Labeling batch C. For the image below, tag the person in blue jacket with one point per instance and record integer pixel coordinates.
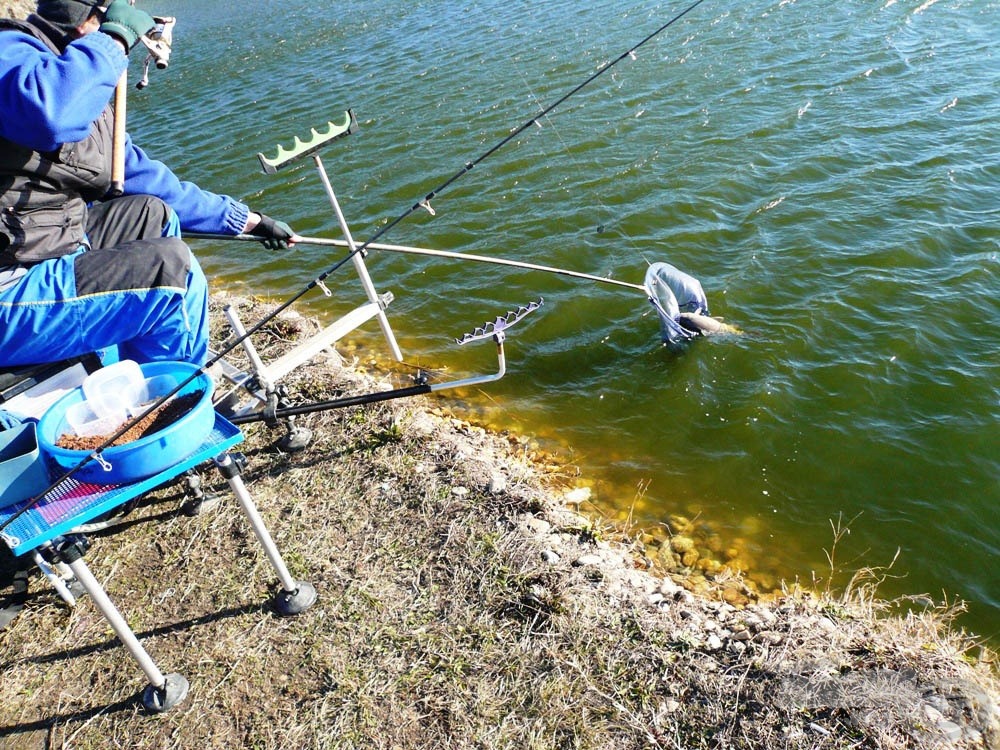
(81, 271)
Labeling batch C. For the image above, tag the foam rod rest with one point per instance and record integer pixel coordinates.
(316, 141)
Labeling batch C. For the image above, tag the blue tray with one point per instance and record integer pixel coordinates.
(144, 456)
(73, 503)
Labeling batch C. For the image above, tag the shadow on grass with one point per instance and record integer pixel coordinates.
(114, 643)
(44, 725)
(13, 585)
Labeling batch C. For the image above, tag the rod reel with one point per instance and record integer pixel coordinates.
(158, 43)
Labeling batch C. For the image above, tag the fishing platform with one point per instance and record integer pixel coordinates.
(47, 508)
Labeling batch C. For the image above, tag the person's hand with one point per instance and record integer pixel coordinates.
(126, 23)
(274, 235)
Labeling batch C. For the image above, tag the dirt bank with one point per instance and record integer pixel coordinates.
(464, 602)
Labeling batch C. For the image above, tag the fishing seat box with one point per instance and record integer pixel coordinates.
(22, 467)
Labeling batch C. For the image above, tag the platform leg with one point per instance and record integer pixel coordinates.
(55, 579)
(295, 596)
(164, 691)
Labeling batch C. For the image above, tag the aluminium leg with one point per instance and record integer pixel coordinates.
(295, 596)
(164, 691)
(358, 260)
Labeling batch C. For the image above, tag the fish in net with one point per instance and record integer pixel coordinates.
(681, 305)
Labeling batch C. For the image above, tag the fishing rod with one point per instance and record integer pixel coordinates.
(360, 250)
(408, 250)
(300, 149)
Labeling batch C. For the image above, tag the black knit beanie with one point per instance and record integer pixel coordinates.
(66, 14)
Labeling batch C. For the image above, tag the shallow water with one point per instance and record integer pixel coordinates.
(828, 171)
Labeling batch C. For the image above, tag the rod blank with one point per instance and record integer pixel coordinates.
(328, 242)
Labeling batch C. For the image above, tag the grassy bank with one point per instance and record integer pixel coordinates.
(463, 603)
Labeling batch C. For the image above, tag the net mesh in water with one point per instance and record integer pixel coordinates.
(672, 292)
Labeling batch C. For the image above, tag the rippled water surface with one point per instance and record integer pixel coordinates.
(829, 171)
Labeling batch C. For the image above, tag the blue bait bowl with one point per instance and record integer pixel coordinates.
(141, 458)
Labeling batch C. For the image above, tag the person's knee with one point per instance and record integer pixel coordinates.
(158, 213)
(175, 261)
(142, 264)
(131, 217)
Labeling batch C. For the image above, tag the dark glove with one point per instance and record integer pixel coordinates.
(126, 23)
(274, 235)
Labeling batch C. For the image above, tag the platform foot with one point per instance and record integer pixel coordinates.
(297, 439)
(293, 602)
(196, 506)
(157, 700)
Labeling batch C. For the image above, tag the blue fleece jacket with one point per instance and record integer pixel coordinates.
(47, 100)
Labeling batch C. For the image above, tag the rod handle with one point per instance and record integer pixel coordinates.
(118, 149)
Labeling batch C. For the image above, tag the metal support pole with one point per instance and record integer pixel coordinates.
(358, 260)
(117, 622)
(164, 691)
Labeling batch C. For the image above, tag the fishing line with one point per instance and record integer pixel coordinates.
(425, 202)
(567, 153)
(318, 281)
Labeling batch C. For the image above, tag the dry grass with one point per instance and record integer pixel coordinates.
(452, 616)
(16, 8)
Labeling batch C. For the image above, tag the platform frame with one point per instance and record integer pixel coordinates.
(45, 530)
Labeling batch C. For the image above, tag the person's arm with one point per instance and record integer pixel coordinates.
(47, 100)
(198, 210)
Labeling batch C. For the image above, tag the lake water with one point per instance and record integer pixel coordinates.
(829, 171)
